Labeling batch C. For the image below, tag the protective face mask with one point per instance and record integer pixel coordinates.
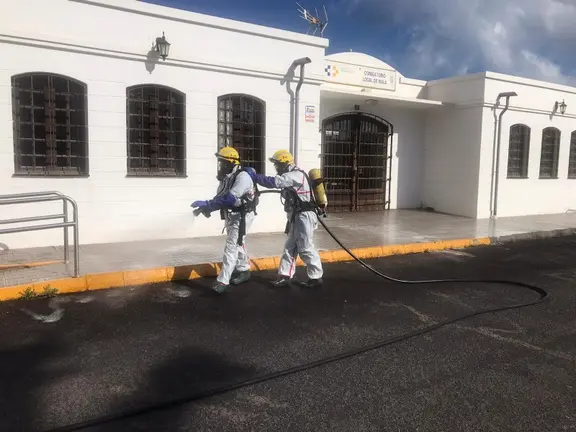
(224, 168)
(280, 168)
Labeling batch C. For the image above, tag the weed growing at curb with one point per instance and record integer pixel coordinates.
(49, 291)
(29, 293)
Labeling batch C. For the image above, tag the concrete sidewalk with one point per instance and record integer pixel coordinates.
(356, 230)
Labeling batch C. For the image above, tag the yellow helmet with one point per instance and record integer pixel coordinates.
(282, 156)
(229, 154)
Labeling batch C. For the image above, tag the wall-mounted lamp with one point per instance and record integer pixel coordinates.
(560, 106)
(162, 46)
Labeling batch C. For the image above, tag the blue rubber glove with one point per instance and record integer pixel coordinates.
(200, 204)
(224, 201)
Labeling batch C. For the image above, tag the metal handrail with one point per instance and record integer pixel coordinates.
(34, 197)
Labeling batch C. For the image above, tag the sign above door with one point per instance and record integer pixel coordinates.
(361, 76)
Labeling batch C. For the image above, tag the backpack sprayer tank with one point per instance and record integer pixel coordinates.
(318, 187)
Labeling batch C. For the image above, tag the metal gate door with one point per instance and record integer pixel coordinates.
(355, 162)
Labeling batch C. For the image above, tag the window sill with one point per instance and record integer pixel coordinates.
(51, 175)
(172, 176)
(548, 178)
(518, 178)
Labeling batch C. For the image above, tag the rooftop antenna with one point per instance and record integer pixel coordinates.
(314, 21)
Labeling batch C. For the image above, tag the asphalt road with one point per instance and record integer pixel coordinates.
(77, 357)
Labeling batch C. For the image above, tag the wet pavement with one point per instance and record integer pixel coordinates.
(354, 229)
(76, 357)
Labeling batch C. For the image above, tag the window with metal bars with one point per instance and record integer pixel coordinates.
(518, 151)
(156, 131)
(550, 153)
(572, 158)
(50, 122)
(242, 125)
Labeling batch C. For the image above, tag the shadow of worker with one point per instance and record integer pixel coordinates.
(28, 370)
(163, 404)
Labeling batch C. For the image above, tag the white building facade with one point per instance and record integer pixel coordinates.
(88, 108)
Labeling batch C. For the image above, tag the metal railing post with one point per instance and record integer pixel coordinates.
(66, 251)
(34, 197)
(76, 238)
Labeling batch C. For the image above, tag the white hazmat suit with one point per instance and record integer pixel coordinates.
(236, 257)
(301, 225)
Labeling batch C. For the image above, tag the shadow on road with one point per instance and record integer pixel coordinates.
(24, 371)
(189, 371)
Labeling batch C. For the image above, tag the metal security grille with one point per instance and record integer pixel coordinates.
(156, 129)
(572, 161)
(356, 162)
(242, 125)
(518, 151)
(550, 153)
(50, 125)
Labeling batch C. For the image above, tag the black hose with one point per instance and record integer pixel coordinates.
(543, 294)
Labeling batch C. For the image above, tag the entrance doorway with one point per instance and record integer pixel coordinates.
(356, 162)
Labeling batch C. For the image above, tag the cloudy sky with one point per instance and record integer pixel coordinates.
(431, 39)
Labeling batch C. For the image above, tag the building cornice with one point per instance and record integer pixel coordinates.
(179, 15)
(170, 62)
(530, 82)
(479, 104)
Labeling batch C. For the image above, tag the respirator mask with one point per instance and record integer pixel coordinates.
(224, 168)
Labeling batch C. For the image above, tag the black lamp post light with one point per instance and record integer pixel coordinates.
(162, 46)
(560, 106)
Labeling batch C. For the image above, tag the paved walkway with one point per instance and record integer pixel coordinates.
(355, 230)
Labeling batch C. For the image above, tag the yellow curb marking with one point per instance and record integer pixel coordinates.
(121, 279)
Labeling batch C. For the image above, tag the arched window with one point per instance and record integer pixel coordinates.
(242, 125)
(49, 113)
(550, 153)
(518, 151)
(156, 131)
(572, 161)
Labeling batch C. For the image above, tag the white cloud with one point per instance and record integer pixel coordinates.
(531, 38)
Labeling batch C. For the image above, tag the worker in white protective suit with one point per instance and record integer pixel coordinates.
(302, 217)
(236, 199)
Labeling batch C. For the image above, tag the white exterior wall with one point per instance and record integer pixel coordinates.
(112, 206)
(451, 155)
(452, 146)
(533, 106)
(442, 156)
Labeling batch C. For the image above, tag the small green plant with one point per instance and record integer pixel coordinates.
(49, 291)
(28, 294)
